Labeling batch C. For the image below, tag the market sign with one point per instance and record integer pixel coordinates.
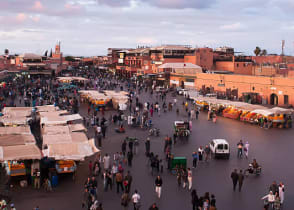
(174, 82)
(189, 83)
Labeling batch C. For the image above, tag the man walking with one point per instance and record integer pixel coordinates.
(189, 178)
(129, 180)
(158, 185)
(234, 177)
(153, 207)
(195, 158)
(136, 200)
(147, 146)
(119, 180)
(240, 179)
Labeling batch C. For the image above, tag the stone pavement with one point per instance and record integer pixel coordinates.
(272, 149)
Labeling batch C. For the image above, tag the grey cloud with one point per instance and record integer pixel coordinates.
(169, 4)
(115, 3)
(180, 4)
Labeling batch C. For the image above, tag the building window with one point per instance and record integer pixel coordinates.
(189, 80)
(286, 99)
(237, 64)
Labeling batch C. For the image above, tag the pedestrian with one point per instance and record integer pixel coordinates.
(99, 138)
(195, 200)
(207, 153)
(197, 113)
(240, 180)
(12, 207)
(131, 144)
(136, 200)
(195, 158)
(213, 200)
(185, 178)
(277, 202)
(246, 149)
(200, 154)
(274, 187)
(130, 158)
(282, 192)
(147, 146)
(37, 180)
(129, 180)
(189, 172)
(114, 170)
(106, 162)
(234, 177)
(124, 147)
(158, 185)
(119, 181)
(94, 187)
(269, 199)
(108, 180)
(153, 207)
(125, 200)
(86, 202)
(240, 149)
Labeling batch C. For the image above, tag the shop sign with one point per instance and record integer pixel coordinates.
(174, 82)
(189, 83)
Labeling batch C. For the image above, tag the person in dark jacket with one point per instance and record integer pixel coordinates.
(124, 147)
(130, 158)
(147, 147)
(240, 179)
(158, 185)
(153, 207)
(195, 199)
(234, 177)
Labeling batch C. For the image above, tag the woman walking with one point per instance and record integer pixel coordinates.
(195, 199)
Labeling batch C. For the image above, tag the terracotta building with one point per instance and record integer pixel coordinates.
(202, 57)
(267, 90)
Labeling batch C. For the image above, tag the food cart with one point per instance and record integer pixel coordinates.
(177, 163)
(66, 167)
(182, 129)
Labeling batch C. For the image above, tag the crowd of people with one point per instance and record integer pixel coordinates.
(113, 171)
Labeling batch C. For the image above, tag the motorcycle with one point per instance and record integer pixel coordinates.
(252, 170)
(154, 132)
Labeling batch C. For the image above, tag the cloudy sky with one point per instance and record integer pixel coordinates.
(89, 27)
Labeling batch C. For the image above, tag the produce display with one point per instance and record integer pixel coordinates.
(65, 166)
(16, 168)
(232, 113)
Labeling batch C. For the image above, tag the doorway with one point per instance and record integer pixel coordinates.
(274, 99)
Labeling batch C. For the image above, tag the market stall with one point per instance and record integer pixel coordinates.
(275, 117)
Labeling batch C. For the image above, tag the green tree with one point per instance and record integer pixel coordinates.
(257, 51)
(69, 58)
(263, 52)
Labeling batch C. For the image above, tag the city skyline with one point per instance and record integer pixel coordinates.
(89, 27)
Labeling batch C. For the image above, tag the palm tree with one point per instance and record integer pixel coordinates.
(257, 51)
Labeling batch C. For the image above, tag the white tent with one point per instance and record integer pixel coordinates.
(263, 112)
(73, 151)
(20, 152)
(279, 110)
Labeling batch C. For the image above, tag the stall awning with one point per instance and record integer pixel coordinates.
(13, 140)
(74, 151)
(20, 152)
